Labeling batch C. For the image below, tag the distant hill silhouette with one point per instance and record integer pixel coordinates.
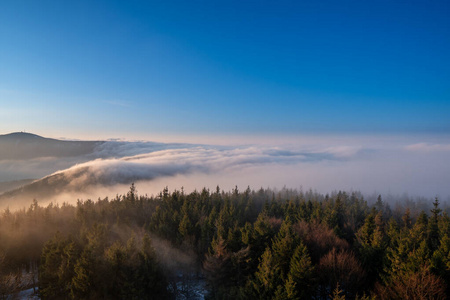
(21, 145)
(11, 185)
(78, 181)
(40, 189)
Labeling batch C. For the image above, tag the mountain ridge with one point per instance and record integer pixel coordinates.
(20, 134)
(24, 145)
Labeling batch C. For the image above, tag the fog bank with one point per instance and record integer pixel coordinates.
(387, 166)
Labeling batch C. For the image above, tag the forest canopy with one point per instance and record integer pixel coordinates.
(249, 244)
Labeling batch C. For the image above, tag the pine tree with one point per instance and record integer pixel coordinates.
(407, 222)
(379, 204)
(283, 247)
(433, 226)
(300, 279)
(217, 265)
(372, 246)
(149, 279)
(56, 270)
(267, 277)
(82, 280)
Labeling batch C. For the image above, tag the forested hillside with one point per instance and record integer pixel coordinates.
(245, 244)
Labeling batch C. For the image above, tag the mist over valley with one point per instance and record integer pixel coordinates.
(64, 170)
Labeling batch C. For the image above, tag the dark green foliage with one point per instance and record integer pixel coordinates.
(300, 283)
(267, 278)
(71, 270)
(245, 244)
(56, 271)
(433, 226)
(372, 245)
(218, 266)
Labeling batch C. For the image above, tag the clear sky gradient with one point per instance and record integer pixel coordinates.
(140, 68)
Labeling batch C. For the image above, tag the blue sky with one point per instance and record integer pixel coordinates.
(150, 68)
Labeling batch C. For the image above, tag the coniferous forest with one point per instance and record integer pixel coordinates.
(248, 244)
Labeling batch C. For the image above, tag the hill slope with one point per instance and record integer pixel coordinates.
(20, 146)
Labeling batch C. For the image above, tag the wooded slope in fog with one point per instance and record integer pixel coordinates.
(248, 245)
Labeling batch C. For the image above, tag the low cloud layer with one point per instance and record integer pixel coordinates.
(167, 163)
(413, 167)
(427, 147)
